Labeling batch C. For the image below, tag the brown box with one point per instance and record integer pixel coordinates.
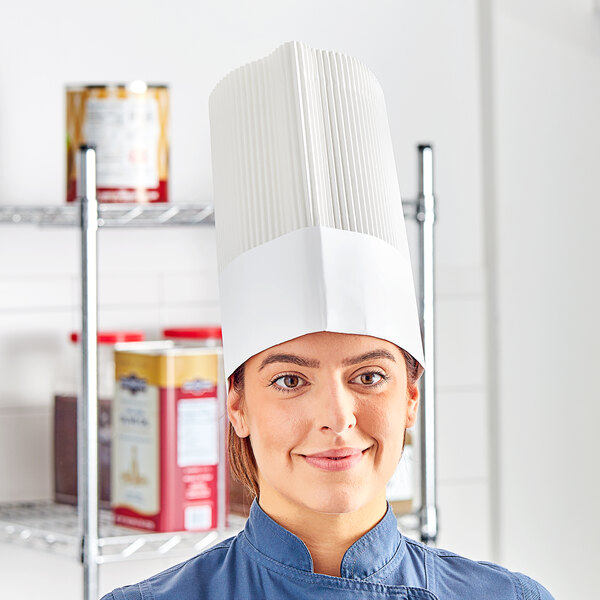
(65, 450)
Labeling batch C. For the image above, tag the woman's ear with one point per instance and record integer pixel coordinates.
(412, 397)
(235, 410)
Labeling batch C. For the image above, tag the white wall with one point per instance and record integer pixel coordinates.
(426, 57)
(543, 143)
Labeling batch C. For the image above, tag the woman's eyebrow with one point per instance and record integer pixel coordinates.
(314, 364)
(380, 353)
(290, 358)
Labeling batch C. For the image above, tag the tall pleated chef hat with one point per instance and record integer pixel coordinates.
(309, 223)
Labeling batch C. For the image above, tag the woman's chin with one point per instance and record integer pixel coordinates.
(335, 502)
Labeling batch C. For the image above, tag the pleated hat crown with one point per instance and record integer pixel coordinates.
(309, 220)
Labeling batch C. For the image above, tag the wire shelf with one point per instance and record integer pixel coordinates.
(126, 215)
(52, 527)
(111, 215)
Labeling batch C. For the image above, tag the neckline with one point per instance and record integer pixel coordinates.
(364, 558)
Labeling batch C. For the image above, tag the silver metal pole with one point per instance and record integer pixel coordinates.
(87, 400)
(221, 467)
(428, 514)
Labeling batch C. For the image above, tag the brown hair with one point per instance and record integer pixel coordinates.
(241, 457)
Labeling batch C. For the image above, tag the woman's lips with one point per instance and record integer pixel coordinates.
(335, 464)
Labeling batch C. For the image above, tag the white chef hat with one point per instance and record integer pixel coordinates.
(309, 223)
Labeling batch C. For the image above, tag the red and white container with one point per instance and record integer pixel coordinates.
(169, 438)
(211, 336)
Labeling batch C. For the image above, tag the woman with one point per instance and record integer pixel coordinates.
(323, 412)
(322, 347)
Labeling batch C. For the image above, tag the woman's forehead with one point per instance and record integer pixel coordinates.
(318, 348)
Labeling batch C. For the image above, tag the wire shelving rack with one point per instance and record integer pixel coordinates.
(86, 532)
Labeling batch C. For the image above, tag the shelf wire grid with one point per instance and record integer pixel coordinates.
(52, 527)
(111, 215)
(126, 215)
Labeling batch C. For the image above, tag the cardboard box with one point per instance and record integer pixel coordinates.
(65, 450)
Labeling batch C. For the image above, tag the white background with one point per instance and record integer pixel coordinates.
(507, 91)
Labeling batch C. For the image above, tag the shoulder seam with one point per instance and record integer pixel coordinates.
(433, 551)
(520, 583)
(498, 568)
(526, 583)
(145, 585)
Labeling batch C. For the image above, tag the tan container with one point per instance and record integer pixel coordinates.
(129, 125)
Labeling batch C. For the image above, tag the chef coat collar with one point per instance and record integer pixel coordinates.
(368, 555)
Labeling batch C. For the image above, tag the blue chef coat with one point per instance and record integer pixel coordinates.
(265, 561)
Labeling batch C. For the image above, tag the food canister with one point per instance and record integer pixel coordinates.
(129, 125)
(168, 438)
(211, 336)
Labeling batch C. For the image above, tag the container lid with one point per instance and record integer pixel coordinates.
(193, 333)
(134, 86)
(113, 337)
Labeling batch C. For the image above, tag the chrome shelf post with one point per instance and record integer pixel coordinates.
(87, 400)
(428, 514)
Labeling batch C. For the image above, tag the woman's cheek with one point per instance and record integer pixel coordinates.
(385, 423)
(374, 418)
(277, 425)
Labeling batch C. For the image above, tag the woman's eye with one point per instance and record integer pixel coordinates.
(372, 378)
(288, 382)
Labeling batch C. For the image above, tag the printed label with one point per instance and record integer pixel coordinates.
(126, 133)
(135, 457)
(197, 432)
(198, 517)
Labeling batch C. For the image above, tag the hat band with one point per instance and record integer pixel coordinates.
(317, 279)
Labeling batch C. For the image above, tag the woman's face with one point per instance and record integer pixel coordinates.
(316, 394)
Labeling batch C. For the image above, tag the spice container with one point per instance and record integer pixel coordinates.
(210, 336)
(65, 418)
(168, 438)
(129, 125)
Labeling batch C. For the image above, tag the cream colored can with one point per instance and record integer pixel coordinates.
(129, 125)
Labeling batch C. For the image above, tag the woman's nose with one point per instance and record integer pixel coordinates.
(336, 409)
